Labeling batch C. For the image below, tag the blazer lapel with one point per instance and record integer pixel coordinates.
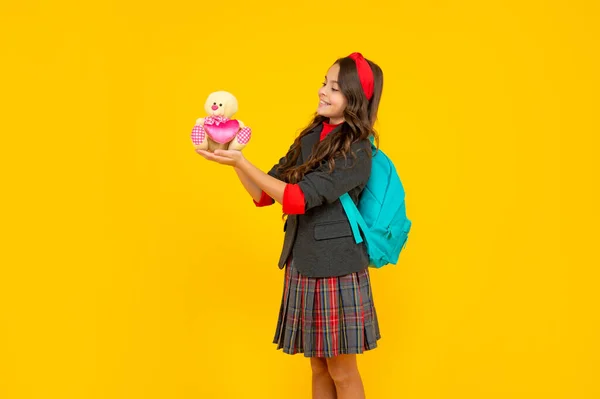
(313, 137)
(308, 142)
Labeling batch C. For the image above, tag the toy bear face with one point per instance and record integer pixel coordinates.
(221, 103)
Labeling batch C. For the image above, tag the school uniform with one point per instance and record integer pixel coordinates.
(327, 306)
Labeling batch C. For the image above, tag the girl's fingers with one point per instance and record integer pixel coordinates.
(223, 160)
(216, 158)
(204, 153)
(208, 155)
(223, 153)
(233, 154)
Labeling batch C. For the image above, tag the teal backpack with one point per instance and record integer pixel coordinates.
(381, 212)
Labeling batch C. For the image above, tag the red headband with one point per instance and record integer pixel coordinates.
(365, 74)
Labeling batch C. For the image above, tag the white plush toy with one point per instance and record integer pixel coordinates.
(218, 130)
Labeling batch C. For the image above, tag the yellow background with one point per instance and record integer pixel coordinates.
(133, 268)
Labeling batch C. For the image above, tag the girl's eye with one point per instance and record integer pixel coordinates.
(323, 84)
(334, 89)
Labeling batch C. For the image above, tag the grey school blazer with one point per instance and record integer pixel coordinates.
(320, 241)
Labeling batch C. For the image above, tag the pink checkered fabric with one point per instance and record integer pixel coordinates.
(243, 136)
(198, 134)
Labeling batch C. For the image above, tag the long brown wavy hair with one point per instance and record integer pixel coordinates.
(360, 115)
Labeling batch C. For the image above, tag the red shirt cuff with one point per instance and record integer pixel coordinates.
(293, 200)
(265, 200)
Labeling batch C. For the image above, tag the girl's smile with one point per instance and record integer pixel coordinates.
(331, 100)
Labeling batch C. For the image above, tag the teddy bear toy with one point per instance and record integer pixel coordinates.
(218, 131)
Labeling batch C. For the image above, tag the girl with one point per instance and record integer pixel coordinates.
(327, 309)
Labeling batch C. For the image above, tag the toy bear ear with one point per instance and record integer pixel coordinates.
(232, 105)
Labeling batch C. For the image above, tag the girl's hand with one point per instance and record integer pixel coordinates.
(225, 157)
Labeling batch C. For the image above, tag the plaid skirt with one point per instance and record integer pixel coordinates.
(326, 317)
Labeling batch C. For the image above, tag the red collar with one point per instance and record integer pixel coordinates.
(327, 128)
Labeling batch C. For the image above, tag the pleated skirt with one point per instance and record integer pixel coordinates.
(326, 317)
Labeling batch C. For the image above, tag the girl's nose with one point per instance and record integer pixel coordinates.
(214, 107)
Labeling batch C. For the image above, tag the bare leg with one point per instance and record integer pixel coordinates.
(344, 372)
(322, 384)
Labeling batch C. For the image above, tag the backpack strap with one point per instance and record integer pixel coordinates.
(350, 209)
(377, 256)
(355, 218)
(372, 140)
